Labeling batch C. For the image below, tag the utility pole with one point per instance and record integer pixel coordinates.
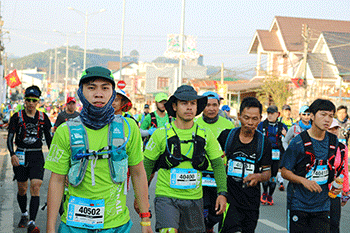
(181, 37)
(55, 65)
(3, 90)
(122, 43)
(2, 48)
(305, 34)
(222, 73)
(50, 69)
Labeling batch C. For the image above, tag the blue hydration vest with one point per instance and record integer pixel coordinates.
(240, 167)
(81, 154)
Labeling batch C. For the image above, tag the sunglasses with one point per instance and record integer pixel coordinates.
(305, 114)
(34, 100)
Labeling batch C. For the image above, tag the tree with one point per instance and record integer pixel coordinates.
(275, 90)
(134, 53)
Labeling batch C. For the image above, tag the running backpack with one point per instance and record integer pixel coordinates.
(229, 152)
(172, 155)
(22, 124)
(278, 135)
(154, 120)
(310, 162)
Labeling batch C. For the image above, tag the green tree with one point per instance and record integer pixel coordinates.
(274, 90)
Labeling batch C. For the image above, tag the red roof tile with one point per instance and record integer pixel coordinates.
(269, 40)
(291, 30)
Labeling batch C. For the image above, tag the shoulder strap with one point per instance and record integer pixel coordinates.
(41, 117)
(229, 139)
(153, 119)
(265, 128)
(333, 140)
(260, 146)
(309, 150)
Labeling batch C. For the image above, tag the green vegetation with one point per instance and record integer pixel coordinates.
(274, 90)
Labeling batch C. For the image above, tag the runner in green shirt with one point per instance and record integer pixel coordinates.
(211, 120)
(157, 118)
(178, 151)
(141, 117)
(95, 151)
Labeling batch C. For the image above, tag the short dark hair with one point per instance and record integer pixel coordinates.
(342, 107)
(249, 102)
(321, 105)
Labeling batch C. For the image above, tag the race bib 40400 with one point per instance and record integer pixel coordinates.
(181, 178)
(85, 213)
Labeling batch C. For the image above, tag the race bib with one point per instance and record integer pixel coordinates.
(342, 140)
(181, 178)
(208, 181)
(320, 175)
(85, 213)
(276, 154)
(21, 157)
(241, 168)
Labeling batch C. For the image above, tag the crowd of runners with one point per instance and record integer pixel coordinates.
(210, 168)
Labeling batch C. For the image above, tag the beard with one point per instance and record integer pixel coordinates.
(161, 110)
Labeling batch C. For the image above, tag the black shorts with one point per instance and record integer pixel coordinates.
(34, 168)
(239, 220)
(209, 201)
(310, 222)
(274, 167)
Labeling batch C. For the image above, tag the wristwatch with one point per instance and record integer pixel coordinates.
(145, 215)
(225, 194)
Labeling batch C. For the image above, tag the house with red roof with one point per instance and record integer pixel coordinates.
(280, 53)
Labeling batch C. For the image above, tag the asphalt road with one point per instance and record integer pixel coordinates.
(272, 218)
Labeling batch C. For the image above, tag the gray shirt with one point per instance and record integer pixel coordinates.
(63, 117)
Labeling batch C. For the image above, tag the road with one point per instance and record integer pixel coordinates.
(272, 218)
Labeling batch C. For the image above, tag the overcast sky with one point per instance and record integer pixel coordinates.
(224, 28)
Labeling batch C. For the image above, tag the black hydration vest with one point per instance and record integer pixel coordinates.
(172, 156)
(310, 162)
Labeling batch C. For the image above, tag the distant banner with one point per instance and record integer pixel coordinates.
(13, 79)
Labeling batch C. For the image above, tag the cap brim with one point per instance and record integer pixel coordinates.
(94, 76)
(201, 103)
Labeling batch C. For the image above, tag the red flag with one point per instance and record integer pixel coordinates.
(13, 79)
(298, 82)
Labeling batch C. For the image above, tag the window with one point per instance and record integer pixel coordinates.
(162, 83)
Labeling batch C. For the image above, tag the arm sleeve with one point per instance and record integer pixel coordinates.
(219, 174)
(149, 165)
(144, 133)
(47, 131)
(288, 137)
(10, 143)
(11, 134)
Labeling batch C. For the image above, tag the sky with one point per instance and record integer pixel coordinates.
(224, 28)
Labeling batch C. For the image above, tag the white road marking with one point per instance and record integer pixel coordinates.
(272, 224)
